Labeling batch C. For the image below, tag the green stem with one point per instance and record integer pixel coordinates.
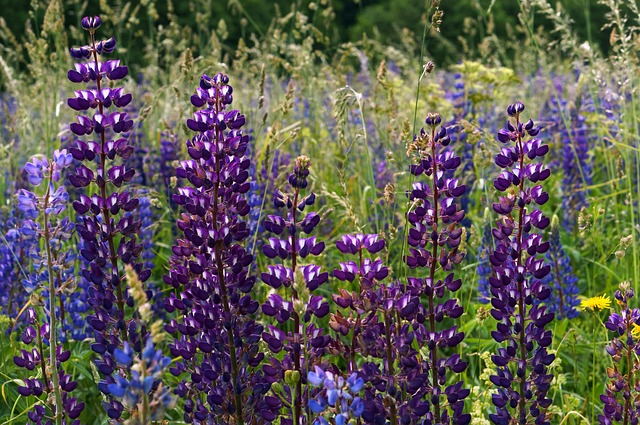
(43, 366)
(53, 343)
(145, 414)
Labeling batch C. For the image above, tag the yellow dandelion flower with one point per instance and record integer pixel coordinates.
(635, 331)
(596, 303)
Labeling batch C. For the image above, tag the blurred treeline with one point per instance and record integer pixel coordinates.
(466, 23)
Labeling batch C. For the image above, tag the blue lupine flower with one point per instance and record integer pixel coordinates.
(564, 292)
(124, 356)
(576, 164)
(484, 269)
(575, 138)
(52, 274)
(338, 396)
(145, 371)
(14, 264)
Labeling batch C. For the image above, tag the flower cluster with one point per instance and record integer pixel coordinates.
(362, 304)
(621, 391)
(563, 301)
(54, 386)
(215, 336)
(306, 343)
(143, 392)
(162, 167)
(376, 334)
(434, 237)
(577, 167)
(52, 276)
(484, 269)
(575, 139)
(107, 225)
(15, 247)
(337, 395)
(522, 377)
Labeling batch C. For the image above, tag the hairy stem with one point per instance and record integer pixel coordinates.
(43, 365)
(559, 282)
(53, 340)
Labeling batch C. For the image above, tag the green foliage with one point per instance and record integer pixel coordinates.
(310, 82)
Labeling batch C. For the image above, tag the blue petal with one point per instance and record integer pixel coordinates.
(357, 407)
(332, 395)
(116, 390)
(315, 406)
(121, 357)
(314, 379)
(357, 386)
(147, 384)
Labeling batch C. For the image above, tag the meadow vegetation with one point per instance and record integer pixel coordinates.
(288, 225)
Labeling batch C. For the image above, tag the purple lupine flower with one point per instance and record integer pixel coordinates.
(147, 220)
(337, 399)
(462, 109)
(147, 225)
(577, 168)
(465, 109)
(56, 386)
(522, 378)
(622, 389)
(76, 308)
(166, 170)
(563, 301)
(299, 304)
(214, 333)
(376, 332)
(107, 225)
(434, 236)
(575, 138)
(51, 277)
(15, 248)
(484, 269)
(362, 304)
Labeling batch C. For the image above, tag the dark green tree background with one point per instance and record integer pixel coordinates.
(376, 18)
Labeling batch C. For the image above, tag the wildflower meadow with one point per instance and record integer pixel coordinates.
(249, 219)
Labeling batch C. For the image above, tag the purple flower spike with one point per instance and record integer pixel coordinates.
(434, 237)
(107, 223)
(516, 284)
(215, 336)
(295, 309)
(52, 275)
(621, 388)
